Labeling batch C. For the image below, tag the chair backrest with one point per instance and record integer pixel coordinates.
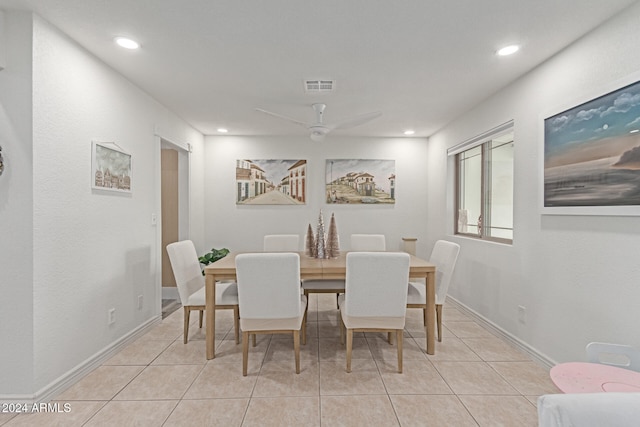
(186, 268)
(281, 243)
(376, 284)
(268, 285)
(367, 242)
(622, 356)
(444, 256)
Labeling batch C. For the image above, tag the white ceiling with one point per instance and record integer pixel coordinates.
(420, 62)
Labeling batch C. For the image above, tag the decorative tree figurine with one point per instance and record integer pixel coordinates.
(333, 244)
(310, 246)
(320, 242)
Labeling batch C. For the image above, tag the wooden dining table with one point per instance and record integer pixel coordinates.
(315, 268)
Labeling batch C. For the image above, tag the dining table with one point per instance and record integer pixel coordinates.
(316, 268)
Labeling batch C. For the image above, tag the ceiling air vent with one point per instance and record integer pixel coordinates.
(319, 85)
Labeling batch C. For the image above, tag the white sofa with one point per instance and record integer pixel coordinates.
(589, 410)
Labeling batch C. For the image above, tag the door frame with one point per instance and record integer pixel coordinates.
(184, 187)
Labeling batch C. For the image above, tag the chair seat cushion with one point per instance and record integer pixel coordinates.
(416, 293)
(321, 285)
(226, 294)
(292, 323)
(353, 322)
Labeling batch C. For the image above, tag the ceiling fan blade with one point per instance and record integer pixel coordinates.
(280, 116)
(355, 121)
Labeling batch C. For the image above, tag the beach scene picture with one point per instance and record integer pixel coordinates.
(271, 182)
(360, 181)
(592, 152)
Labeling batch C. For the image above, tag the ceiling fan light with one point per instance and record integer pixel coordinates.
(317, 136)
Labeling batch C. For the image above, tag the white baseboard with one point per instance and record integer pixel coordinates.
(516, 342)
(74, 375)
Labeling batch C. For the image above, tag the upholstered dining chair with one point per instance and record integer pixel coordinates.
(270, 300)
(281, 243)
(190, 283)
(620, 355)
(444, 256)
(359, 243)
(375, 297)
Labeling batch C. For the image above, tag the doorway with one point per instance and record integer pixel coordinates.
(174, 198)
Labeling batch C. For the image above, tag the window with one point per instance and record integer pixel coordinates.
(484, 184)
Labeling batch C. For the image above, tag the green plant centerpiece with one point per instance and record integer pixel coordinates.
(213, 256)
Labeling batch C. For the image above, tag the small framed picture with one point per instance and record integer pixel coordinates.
(111, 167)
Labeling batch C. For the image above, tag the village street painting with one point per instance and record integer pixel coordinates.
(271, 182)
(111, 168)
(360, 181)
(592, 152)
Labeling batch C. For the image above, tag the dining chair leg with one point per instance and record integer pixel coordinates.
(304, 331)
(236, 322)
(187, 313)
(349, 348)
(304, 319)
(254, 339)
(245, 352)
(439, 321)
(341, 326)
(337, 298)
(399, 340)
(390, 337)
(296, 349)
(201, 316)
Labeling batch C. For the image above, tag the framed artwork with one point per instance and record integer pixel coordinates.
(592, 156)
(111, 167)
(360, 181)
(271, 182)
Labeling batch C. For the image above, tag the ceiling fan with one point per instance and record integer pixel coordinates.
(319, 129)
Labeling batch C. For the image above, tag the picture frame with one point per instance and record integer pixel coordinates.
(111, 168)
(271, 182)
(360, 181)
(591, 155)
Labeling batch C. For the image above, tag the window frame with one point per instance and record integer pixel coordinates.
(484, 142)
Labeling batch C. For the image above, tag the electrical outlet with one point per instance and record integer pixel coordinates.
(154, 219)
(111, 316)
(522, 314)
(139, 302)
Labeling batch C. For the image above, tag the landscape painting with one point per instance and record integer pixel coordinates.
(592, 152)
(360, 181)
(271, 182)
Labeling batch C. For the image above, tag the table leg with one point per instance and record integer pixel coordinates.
(431, 312)
(210, 301)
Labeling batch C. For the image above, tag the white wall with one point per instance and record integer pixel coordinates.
(91, 250)
(16, 207)
(578, 277)
(241, 227)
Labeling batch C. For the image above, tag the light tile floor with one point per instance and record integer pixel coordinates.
(474, 379)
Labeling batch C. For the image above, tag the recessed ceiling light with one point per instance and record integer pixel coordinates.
(409, 132)
(635, 131)
(127, 43)
(508, 50)
(223, 130)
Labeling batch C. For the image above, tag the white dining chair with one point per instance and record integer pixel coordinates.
(368, 242)
(444, 256)
(359, 242)
(375, 298)
(191, 285)
(620, 355)
(281, 243)
(270, 300)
